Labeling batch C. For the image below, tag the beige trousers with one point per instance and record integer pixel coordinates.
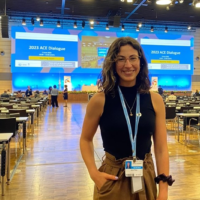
(121, 189)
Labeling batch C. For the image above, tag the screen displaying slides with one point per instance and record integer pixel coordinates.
(170, 55)
(94, 50)
(44, 51)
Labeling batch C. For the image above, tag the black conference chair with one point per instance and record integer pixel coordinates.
(170, 115)
(8, 125)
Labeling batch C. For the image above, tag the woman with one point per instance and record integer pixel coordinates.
(65, 95)
(125, 85)
(49, 95)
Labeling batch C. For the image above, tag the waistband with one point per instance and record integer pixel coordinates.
(120, 163)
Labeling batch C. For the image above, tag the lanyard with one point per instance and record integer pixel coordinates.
(137, 118)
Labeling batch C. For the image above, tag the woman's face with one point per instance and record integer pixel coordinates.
(127, 65)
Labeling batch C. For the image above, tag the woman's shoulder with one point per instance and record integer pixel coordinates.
(157, 101)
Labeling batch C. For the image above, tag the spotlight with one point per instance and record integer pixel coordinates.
(107, 27)
(38, 18)
(189, 27)
(23, 22)
(152, 29)
(32, 21)
(75, 25)
(130, 1)
(91, 22)
(123, 28)
(41, 23)
(122, 0)
(181, 1)
(166, 30)
(197, 3)
(92, 27)
(140, 24)
(83, 24)
(137, 29)
(163, 2)
(58, 24)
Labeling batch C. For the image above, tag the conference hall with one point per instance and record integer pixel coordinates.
(99, 99)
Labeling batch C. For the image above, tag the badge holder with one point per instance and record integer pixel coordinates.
(137, 184)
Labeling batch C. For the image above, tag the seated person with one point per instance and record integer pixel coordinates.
(197, 93)
(5, 95)
(29, 92)
(8, 92)
(172, 97)
(19, 94)
(45, 92)
(37, 94)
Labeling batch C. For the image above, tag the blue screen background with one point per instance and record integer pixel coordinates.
(23, 76)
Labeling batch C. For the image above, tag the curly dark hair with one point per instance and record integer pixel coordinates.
(110, 79)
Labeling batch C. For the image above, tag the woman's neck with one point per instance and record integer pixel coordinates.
(127, 83)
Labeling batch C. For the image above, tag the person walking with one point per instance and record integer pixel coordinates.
(65, 95)
(54, 96)
(129, 115)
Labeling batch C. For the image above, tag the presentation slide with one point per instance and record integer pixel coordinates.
(168, 55)
(40, 50)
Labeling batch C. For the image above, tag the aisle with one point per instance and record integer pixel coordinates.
(53, 168)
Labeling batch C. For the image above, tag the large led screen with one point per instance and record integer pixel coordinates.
(39, 50)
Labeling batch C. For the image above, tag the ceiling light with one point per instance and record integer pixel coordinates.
(181, 1)
(23, 22)
(123, 28)
(107, 27)
(83, 24)
(75, 25)
(32, 21)
(130, 1)
(189, 27)
(58, 24)
(163, 2)
(152, 29)
(140, 24)
(38, 18)
(166, 30)
(167, 8)
(92, 27)
(122, 0)
(137, 29)
(91, 22)
(41, 23)
(197, 3)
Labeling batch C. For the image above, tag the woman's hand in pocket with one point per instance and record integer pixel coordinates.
(100, 178)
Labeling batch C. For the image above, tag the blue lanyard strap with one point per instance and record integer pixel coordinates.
(137, 118)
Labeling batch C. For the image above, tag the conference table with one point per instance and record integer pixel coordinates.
(31, 112)
(185, 116)
(5, 160)
(23, 120)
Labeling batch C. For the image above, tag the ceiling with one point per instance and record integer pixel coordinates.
(100, 10)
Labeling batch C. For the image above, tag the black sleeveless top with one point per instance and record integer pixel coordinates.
(114, 129)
